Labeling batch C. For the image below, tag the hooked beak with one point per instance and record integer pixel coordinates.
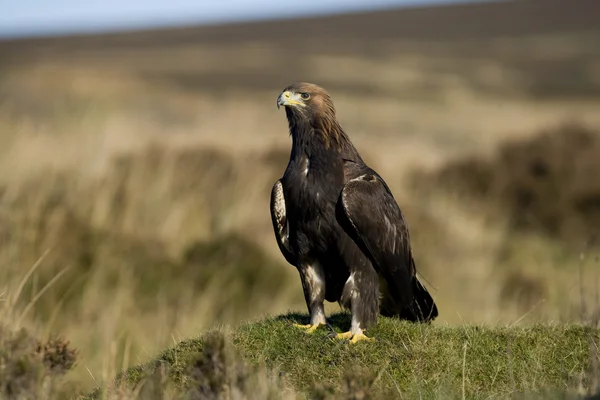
(288, 98)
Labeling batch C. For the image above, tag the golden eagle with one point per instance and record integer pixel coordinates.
(336, 220)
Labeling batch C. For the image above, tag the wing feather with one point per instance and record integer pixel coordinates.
(370, 215)
(280, 222)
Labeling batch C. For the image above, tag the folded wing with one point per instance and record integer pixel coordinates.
(280, 223)
(369, 214)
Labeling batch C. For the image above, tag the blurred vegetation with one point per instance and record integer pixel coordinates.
(544, 184)
(541, 192)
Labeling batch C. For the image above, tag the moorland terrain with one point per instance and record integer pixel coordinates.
(136, 169)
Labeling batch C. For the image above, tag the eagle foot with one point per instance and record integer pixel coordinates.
(354, 338)
(345, 335)
(361, 336)
(309, 327)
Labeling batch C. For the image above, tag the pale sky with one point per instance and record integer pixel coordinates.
(40, 17)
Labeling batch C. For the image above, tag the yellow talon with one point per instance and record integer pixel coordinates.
(302, 326)
(354, 338)
(309, 328)
(361, 336)
(345, 335)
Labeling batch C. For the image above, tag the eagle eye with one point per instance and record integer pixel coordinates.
(305, 96)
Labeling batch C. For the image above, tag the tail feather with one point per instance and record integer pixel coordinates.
(422, 308)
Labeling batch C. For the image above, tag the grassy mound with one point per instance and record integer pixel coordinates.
(406, 360)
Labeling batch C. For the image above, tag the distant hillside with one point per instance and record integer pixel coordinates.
(345, 32)
(542, 48)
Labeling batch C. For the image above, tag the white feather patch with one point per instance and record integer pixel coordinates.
(314, 276)
(280, 214)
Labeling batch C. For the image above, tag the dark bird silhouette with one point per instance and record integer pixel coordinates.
(336, 220)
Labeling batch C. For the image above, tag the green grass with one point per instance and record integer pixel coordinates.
(407, 360)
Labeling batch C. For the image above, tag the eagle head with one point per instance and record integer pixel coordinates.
(307, 100)
(309, 109)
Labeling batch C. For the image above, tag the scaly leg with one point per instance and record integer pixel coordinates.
(317, 318)
(360, 294)
(313, 284)
(355, 334)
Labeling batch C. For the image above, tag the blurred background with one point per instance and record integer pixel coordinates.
(139, 142)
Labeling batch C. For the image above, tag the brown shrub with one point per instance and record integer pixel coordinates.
(58, 357)
(548, 184)
(29, 368)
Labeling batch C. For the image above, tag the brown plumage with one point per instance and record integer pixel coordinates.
(321, 112)
(336, 220)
